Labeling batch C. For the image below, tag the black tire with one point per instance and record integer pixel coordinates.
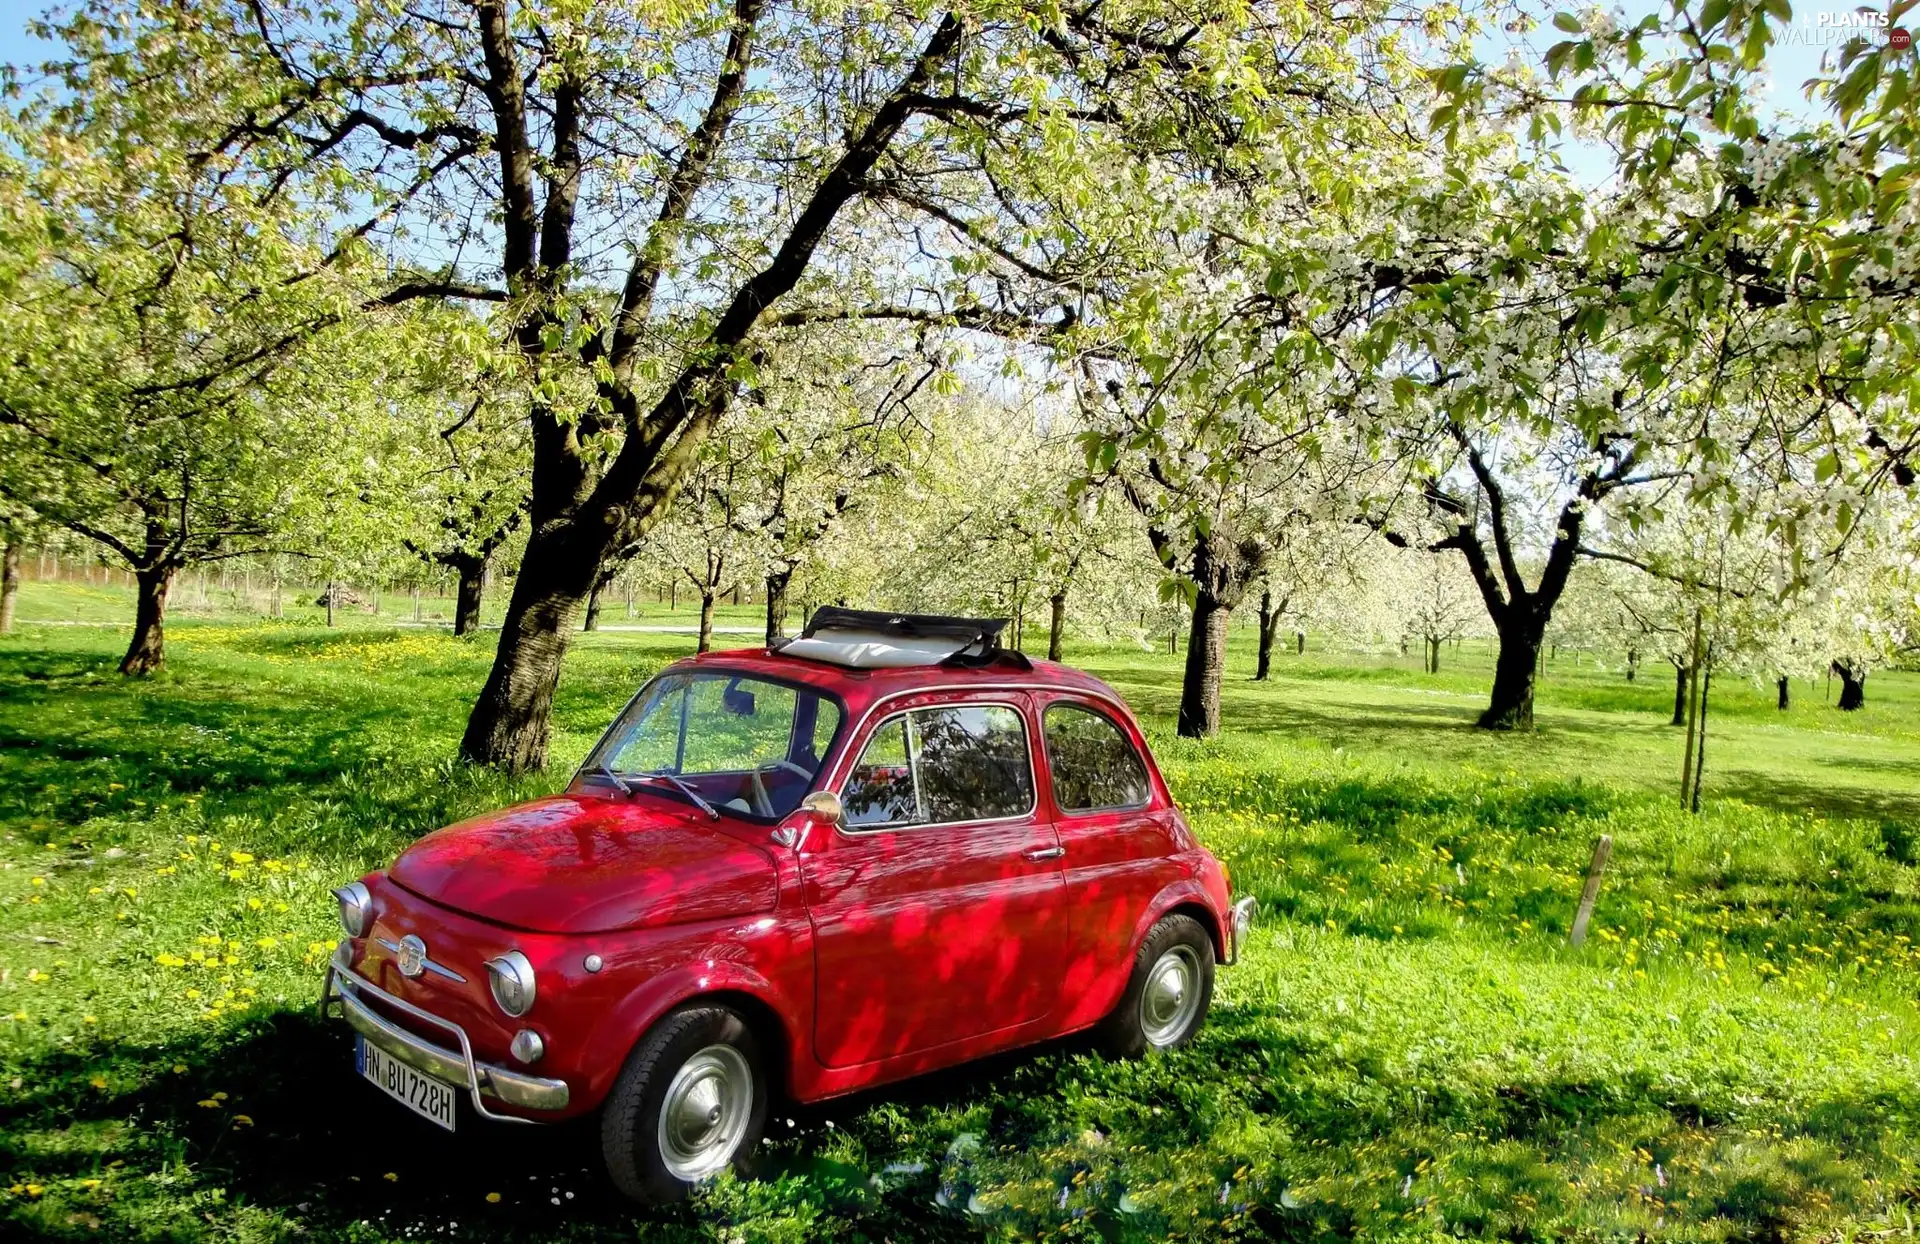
(630, 1118)
(1124, 1033)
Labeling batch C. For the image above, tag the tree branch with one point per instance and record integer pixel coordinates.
(643, 278)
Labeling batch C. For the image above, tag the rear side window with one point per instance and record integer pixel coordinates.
(1093, 762)
(934, 766)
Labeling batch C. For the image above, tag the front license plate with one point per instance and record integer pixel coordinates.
(425, 1096)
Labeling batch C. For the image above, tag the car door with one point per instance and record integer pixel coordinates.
(937, 909)
(1117, 840)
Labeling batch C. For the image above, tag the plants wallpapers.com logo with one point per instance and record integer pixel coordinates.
(1837, 28)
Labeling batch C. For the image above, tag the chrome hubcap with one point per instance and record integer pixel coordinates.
(703, 1117)
(1172, 996)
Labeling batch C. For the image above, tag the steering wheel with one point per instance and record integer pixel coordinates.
(760, 795)
(762, 801)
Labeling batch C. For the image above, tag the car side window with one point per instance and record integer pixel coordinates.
(934, 766)
(880, 790)
(1093, 762)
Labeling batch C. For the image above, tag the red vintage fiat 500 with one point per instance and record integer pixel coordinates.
(885, 847)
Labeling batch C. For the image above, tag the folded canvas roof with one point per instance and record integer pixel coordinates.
(868, 639)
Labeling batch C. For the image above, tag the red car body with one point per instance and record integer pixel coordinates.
(861, 957)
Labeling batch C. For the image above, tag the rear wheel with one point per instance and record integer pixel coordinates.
(691, 1101)
(1168, 993)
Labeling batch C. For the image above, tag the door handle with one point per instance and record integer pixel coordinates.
(1046, 853)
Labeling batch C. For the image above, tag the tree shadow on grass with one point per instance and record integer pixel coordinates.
(272, 1116)
(1832, 799)
(269, 1120)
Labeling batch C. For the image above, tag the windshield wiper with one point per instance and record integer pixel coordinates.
(600, 766)
(684, 789)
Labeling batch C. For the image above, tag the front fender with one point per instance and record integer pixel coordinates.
(621, 1027)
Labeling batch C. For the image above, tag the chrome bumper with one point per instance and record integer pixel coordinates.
(343, 988)
(1239, 924)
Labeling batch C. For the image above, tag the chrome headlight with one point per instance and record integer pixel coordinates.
(511, 978)
(356, 907)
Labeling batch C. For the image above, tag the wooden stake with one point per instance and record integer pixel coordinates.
(1693, 708)
(1601, 850)
(1700, 747)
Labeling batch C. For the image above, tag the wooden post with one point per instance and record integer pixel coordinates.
(1700, 747)
(1693, 707)
(1601, 850)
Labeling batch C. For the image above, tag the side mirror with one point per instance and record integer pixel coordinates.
(821, 805)
(826, 806)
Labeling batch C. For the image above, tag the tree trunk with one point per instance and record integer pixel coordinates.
(778, 580)
(511, 725)
(332, 596)
(593, 610)
(1269, 623)
(9, 582)
(1633, 663)
(1299, 643)
(1206, 660)
(466, 605)
(1785, 695)
(148, 651)
(1514, 671)
(1681, 676)
(1057, 623)
(1433, 656)
(706, 620)
(1853, 687)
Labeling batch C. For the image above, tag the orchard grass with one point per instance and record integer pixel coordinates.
(1408, 1050)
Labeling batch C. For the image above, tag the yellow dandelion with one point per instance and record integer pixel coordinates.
(240, 857)
(493, 1198)
(243, 1120)
(391, 1177)
(208, 1103)
(179, 1069)
(98, 1082)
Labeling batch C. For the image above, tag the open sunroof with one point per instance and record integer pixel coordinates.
(871, 639)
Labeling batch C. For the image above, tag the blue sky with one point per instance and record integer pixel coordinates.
(15, 46)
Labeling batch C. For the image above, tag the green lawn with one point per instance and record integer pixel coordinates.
(1409, 1049)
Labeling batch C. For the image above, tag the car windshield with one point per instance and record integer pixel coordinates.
(736, 743)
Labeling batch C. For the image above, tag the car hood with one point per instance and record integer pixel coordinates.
(580, 864)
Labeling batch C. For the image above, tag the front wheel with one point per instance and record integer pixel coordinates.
(1168, 993)
(691, 1101)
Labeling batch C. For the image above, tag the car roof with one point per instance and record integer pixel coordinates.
(863, 687)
